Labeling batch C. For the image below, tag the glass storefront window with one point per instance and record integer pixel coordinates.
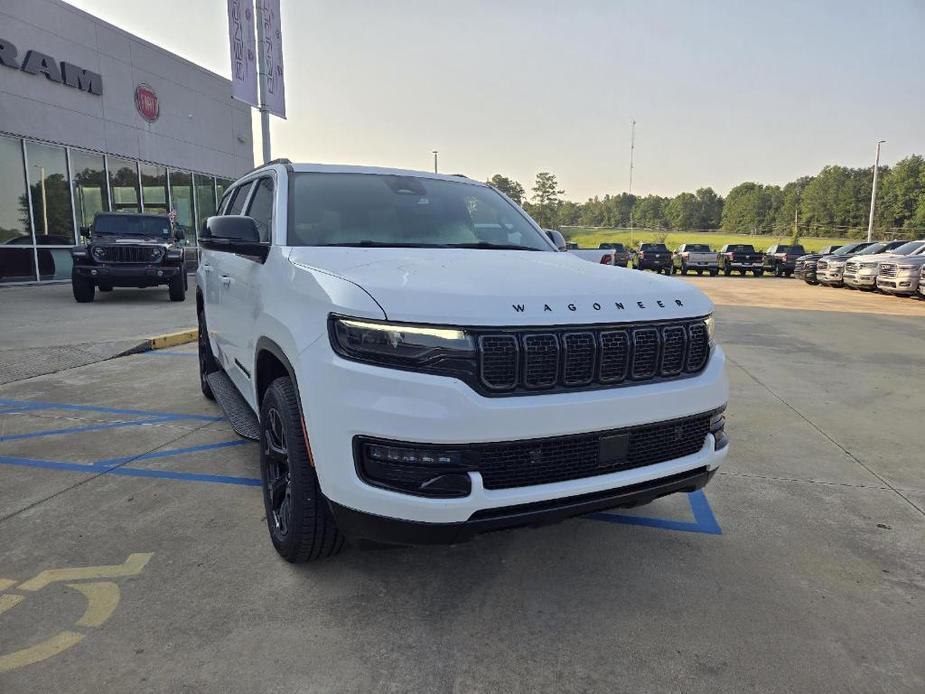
(123, 180)
(17, 264)
(154, 188)
(205, 199)
(89, 187)
(55, 263)
(181, 196)
(50, 192)
(14, 205)
(221, 185)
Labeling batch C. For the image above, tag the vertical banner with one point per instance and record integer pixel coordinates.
(275, 96)
(243, 51)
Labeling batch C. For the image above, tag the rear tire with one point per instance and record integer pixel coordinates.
(727, 271)
(714, 273)
(757, 273)
(207, 363)
(299, 519)
(177, 288)
(83, 289)
(684, 269)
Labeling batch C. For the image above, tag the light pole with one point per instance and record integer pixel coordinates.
(873, 193)
(435, 161)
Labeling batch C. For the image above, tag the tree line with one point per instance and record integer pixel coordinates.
(835, 202)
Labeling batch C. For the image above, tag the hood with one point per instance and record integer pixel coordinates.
(128, 240)
(480, 287)
(917, 259)
(810, 256)
(876, 257)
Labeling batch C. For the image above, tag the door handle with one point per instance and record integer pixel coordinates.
(227, 280)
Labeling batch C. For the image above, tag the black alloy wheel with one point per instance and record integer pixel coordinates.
(278, 482)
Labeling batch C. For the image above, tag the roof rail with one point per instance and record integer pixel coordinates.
(282, 160)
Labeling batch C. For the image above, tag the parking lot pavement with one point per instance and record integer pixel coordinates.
(799, 569)
(45, 330)
(790, 293)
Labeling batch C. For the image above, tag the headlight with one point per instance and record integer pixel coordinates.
(431, 348)
(710, 324)
(99, 252)
(837, 263)
(906, 268)
(156, 253)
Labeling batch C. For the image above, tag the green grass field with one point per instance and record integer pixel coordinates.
(590, 238)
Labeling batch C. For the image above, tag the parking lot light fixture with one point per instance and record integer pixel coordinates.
(873, 193)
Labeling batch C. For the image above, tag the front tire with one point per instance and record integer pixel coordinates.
(298, 516)
(84, 289)
(207, 363)
(758, 273)
(177, 287)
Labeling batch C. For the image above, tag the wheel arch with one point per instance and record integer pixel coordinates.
(270, 363)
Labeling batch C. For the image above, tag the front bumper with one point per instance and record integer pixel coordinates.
(901, 284)
(860, 280)
(367, 526)
(128, 275)
(361, 400)
(834, 278)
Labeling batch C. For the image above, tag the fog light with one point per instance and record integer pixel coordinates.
(93, 272)
(160, 273)
(420, 471)
(717, 428)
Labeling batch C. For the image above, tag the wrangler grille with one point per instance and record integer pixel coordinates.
(542, 461)
(127, 254)
(587, 357)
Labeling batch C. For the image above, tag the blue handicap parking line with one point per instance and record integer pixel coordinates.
(87, 427)
(18, 405)
(704, 520)
(114, 466)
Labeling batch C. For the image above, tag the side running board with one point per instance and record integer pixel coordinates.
(239, 413)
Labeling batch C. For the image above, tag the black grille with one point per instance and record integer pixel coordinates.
(541, 361)
(127, 254)
(542, 461)
(591, 357)
(498, 361)
(580, 351)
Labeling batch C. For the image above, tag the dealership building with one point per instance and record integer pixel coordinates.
(95, 119)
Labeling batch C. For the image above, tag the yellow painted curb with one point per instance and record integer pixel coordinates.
(173, 339)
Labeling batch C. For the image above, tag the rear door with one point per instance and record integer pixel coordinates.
(242, 279)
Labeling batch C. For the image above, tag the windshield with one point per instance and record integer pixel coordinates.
(908, 248)
(383, 210)
(871, 249)
(132, 225)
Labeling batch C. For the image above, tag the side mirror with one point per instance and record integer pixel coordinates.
(234, 234)
(557, 239)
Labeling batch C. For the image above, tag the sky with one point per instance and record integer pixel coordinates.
(722, 91)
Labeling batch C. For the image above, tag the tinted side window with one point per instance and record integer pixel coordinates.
(261, 208)
(236, 201)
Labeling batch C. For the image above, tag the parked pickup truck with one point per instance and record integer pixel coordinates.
(697, 257)
(805, 266)
(781, 259)
(863, 271)
(413, 381)
(594, 255)
(830, 269)
(654, 256)
(741, 257)
(902, 275)
(622, 255)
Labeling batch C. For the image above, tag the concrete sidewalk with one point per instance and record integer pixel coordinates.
(43, 330)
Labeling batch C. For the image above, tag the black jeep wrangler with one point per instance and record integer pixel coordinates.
(129, 250)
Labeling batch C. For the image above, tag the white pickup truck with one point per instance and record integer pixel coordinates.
(695, 257)
(419, 364)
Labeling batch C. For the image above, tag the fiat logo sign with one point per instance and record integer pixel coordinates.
(146, 102)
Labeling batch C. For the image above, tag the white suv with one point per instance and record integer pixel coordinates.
(419, 363)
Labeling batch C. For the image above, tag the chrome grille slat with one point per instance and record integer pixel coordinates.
(887, 270)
